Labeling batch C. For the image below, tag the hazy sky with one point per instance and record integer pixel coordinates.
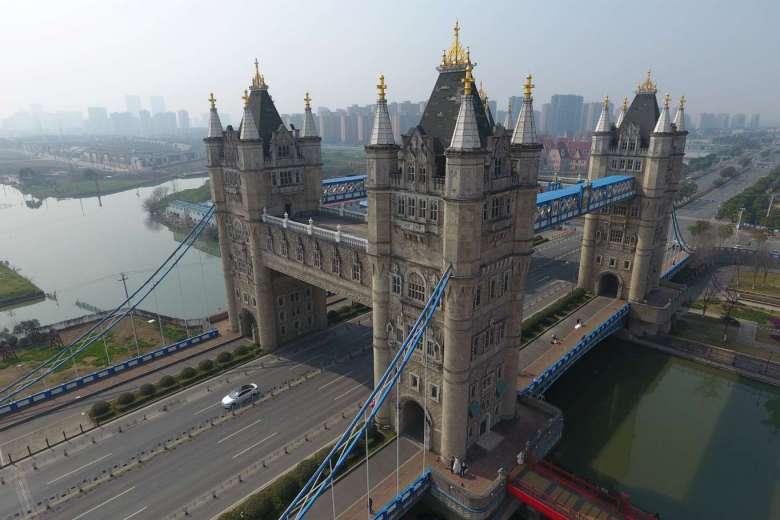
(70, 54)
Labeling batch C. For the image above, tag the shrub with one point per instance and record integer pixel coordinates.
(166, 381)
(147, 389)
(125, 399)
(286, 488)
(333, 316)
(99, 409)
(224, 357)
(188, 373)
(205, 365)
(241, 350)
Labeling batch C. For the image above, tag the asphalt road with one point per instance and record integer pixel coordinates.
(194, 467)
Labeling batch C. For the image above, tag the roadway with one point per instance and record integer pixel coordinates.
(176, 477)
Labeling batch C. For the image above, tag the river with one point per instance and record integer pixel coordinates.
(78, 248)
(683, 439)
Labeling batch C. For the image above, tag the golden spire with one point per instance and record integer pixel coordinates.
(258, 81)
(682, 102)
(667, 97)
(625, 104)
(647, 87)
(245, 97)
(481, 91)
(468, 80)
(456, 55)
(213, 101)
(381, 87)
(527, 87)
(444, 57)
(606, 103)
(307, 101)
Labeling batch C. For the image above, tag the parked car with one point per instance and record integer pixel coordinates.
(240, 396)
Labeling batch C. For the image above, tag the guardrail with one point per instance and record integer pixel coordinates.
(312, 230)
(549, 376)
(105, 373)
(403, 502)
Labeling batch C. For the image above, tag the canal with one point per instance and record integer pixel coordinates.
(683, 439)
(78, 247)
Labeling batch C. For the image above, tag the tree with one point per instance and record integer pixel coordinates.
(725, 231)
(154, 203)
(699, 228)
(28, 176)
(728, 172)
(745, 161)
(27, 327)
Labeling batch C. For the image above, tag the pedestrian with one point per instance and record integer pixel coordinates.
(578, 325)
(452, 464)
(456, 466)
(463, 468)
(370, 505)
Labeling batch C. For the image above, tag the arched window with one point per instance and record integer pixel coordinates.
(357, 269)
(395, 283)
(269, 240)
(416, 287)
(335, 264)
(317, 256)
(285, 247)
(299, 251)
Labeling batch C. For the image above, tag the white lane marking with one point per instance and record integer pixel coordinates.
(223, 439)
(137, 512)
(348, 392)
(306, 362)
(204, 409)
(337, 379)
(255, 445)
(88, 511)
(69, 473)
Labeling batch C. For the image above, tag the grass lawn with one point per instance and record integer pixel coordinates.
(745, 283)
(705, 329)
(196, 195)
(14, 285)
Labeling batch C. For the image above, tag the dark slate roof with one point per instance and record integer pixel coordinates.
(441, 112)
(644, 113)
(266, 117)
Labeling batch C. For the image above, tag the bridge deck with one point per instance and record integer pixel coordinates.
(540, 354)
(330, 221)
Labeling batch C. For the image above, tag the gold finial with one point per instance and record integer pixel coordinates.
(444, 57)
(245, 97)
(527, 87)
(481, 91)
(682, 102)
(667, 97)
(212, 100)
(647, 87)
(468, 80)
(381, 87)
(307, 100)
(258, 81)
(456, 55)
(509, 106)
(625, 104)
(606, 102)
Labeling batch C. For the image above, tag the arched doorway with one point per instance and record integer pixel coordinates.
(609, 285)
(247, 324)
(412, 420)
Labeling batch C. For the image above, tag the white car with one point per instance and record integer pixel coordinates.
(240, 396)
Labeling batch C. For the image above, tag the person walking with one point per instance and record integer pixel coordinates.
(452, 464)
(578, 325)
(456, 466)
(370, 505)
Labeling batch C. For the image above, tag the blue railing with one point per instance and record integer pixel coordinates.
(105, 373)
(611, 325)
(343, 189)
(676, 268)
(400, 504)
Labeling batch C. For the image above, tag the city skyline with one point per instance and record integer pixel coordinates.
(688, 51)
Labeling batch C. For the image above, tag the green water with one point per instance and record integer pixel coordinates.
(683, 439)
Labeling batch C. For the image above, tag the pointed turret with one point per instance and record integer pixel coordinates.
(664, 123)
(508, 116)
(622, 113)
(215, 125)
(465, 136)
(525, 128)
(249, 130)
(309, 127)
(604, 125)
(679, 117)
(382, 133)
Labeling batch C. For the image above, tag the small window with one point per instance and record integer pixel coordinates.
(416, 287)
(280, 301)
(283, 330)
(622, 164)
(335, 264)
(626, 264)
(612, 262)
(412, 206)
(613, 164)
(637, 166)
(492, 288)
(630, 164)
(505, 282)
(477, 296)
(357, 271)
(434, 211)
(485, 212)
(422, 208)
(472, 391)
(598, 259)
(634, 210)
(395, 283)
(282, 316)
(434, 392)
(616, 236)
(401, 206)
(414, 381)
(317, 257)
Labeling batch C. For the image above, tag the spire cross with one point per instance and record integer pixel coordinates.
(528, 87)
(625, 103)
(667, 97)
(606, 102)
(682, 102)
(307, 101)
(213, 101)
(468, 80)
(245, 97)
(381, 87)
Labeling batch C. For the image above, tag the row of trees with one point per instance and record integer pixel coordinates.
(755, 200)
(25, 334)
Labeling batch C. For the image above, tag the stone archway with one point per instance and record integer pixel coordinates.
(247, 324)
(412, 420)
(609, 285)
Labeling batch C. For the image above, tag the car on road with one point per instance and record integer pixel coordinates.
(242, 395)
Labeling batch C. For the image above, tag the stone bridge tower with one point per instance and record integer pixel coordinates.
(263, 167)
(624, 245)
(459, 191)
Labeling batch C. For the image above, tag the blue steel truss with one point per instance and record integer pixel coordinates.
(557, 206)
(343, 189)
(323, 477)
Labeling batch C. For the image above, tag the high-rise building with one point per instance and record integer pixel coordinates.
(545, 125)
(123, 123)
(753, 124)
(184, 120)
(97, 120)
(722, 121)
(705, 121)
(133, 104)
(145, 123)
(590, 116)
(164, 123)
(738, 121)
(566, 114)
(157, 104)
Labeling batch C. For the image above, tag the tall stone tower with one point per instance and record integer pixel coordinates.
(263, 167)
(458, 192)
(623, 246)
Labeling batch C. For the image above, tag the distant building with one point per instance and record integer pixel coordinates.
(545, 125)
(184, 120)
(753, 124)
(738, 121)
(133, 104)
(164, 123)
(123, 123)
(566, 114)
(145, 123)
(97, 120)
(157, 105)
(705, 121)
(722, 121)
(189, 213)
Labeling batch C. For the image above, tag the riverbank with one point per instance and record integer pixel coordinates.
(15, 289)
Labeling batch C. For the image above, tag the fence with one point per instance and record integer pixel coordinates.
(310, 229)
(105, 373)
(466, 504)
(401, 504)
